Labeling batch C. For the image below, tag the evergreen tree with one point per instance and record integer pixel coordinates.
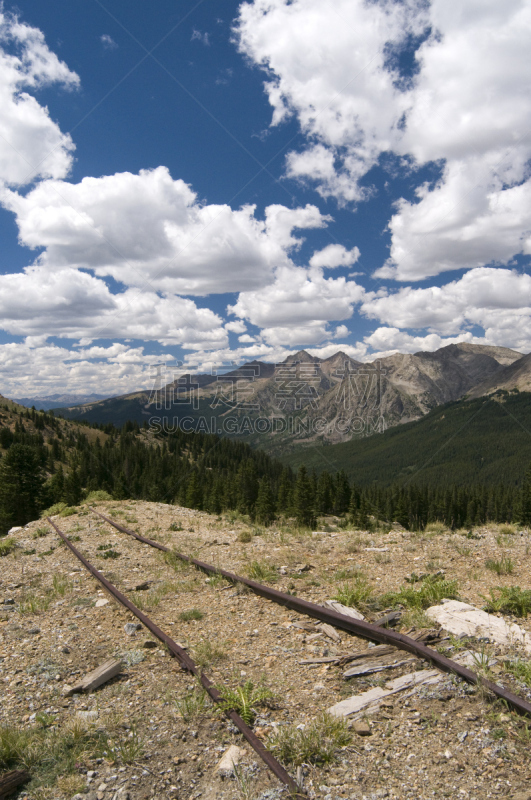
(265, 504)
(21, 486)
(73, 491)
(525, 499)
(304, 499)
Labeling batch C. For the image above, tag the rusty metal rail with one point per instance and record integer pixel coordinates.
(355, 626)
(189, 665)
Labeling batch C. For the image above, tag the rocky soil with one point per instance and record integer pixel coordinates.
(149, 733)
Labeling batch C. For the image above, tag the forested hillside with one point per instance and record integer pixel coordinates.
(469, 442)
(45, 460)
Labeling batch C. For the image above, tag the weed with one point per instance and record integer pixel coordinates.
(244, 698)
(45, 720)
(315, 743)
(192, 613)
(40, 532)
(215, 580)
(504, 541)
(431, 592)
(7, 546)
(262, 571)
(463, 550)
(356, 593)
(172, 560)
(175, 526)
(436, 528)
(74, 538)
(506, 530)
(501, 566)
(356, 544)
(416, 618)
(107, 551)
(192, 705)
(509, 600)
(382, 558)
(32, 603)
(523, 735)
(207, 653)
(125, 750)
(29, 552)
(244, 782)
(61, 585)
(520, 669)
(245, 537)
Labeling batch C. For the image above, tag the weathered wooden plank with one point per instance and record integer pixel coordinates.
(375, 665)
(329, 631)
(9, 781)
(97, 677)
(370, 700)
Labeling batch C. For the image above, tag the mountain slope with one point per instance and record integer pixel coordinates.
(479, 441)
(516, 375)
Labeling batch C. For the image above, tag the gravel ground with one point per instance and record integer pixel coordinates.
(447, 740)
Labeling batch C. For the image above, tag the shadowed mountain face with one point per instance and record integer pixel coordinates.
(306, 400)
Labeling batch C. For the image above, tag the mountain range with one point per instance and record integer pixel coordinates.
(46, 402)
(306, 400)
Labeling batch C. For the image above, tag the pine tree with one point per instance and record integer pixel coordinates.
(525, 499)
(21, 486)
(265, 504)
(304, 499)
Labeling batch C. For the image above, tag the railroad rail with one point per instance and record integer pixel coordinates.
(189, 665)
(366, 630)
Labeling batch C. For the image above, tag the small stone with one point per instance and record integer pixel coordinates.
(34, 631)
(230, 759)
(131, 628)
(361, 727)
(65, 650)
(14, 530)
(101, 602)
(9, 601)
(149, 644)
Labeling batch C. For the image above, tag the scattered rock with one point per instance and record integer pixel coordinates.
(361, 727)
(101, 602)
(149, 644)
(132, 627)
(230, 759)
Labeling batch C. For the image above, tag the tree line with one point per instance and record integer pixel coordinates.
(48, 465)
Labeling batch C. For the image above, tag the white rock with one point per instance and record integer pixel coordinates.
(14, 530)
(462, 618)
(230, 759)
(101, 602)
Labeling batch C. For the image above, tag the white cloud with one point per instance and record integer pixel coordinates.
(72, 304)
(29, 370)
(150, 230)
(335, 255)
(468, 108)
(388, 341)
(31, 144)
(108, 42)
(298, 297)
(497, 300)
(200, 37)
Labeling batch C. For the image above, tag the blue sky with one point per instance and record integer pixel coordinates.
(210, 182)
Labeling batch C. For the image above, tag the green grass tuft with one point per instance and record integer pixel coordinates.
(316, 743)
(432, 590)
(509, 600)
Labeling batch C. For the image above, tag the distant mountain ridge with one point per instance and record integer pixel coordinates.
(46, 402)
(306, 400)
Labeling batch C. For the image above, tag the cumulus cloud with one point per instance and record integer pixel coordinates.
(72, 304)
(28, 369)
(497, 300)
(335, 255)
(108, 42)
(466, 106)
(151, 230)
(31, 143)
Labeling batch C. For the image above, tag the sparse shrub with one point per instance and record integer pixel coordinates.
(245, 537)
(60, 509)
(40, 532)
(315, 743)
(509, 600)
(61, 585)
(431, 592)
(245, 699)
(356, 544)
(501, 566)
(99, 496)
(176, 526)
(7, 546)
(356, 593)
(207, 653)
(192, 613)
(107, 551)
